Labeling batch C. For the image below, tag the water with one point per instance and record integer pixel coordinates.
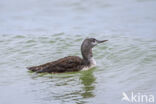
(34, 32)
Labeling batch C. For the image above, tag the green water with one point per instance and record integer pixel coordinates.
(34, 32)
(123, 64)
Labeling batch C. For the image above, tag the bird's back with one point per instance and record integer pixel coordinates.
(66, 64)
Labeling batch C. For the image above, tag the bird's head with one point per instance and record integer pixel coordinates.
(87, 45)
(91, 42)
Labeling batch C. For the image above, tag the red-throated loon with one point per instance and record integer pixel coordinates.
(71, 63)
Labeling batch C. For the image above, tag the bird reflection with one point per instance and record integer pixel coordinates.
(87, 79)
(65, 87)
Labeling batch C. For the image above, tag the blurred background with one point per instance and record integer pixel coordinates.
(33, 32)
(78, 16)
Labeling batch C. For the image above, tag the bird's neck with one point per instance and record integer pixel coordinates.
(87, 56)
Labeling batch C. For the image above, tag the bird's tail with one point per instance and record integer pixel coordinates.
(34, 68)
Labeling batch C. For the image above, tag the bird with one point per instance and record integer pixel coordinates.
(71, 63)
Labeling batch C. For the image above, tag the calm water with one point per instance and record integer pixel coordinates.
(33, 32)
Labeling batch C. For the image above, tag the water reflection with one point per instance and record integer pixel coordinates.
(66, 87)
(74, 87)
(87, 79)
(81, 87)
(80, 90)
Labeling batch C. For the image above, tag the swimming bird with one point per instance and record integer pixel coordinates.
(72, 63)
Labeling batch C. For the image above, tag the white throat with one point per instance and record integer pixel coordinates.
(93, 64)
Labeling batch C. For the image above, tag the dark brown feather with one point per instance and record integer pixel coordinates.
(66, 64)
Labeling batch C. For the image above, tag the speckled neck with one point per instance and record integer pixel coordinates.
(86, 54)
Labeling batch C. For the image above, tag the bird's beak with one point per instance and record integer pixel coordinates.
(98, 41)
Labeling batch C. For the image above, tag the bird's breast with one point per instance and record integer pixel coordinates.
(93, 64)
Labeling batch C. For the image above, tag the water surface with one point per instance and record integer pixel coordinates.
(34, 32)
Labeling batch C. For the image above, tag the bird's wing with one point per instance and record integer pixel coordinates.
(67, 64)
